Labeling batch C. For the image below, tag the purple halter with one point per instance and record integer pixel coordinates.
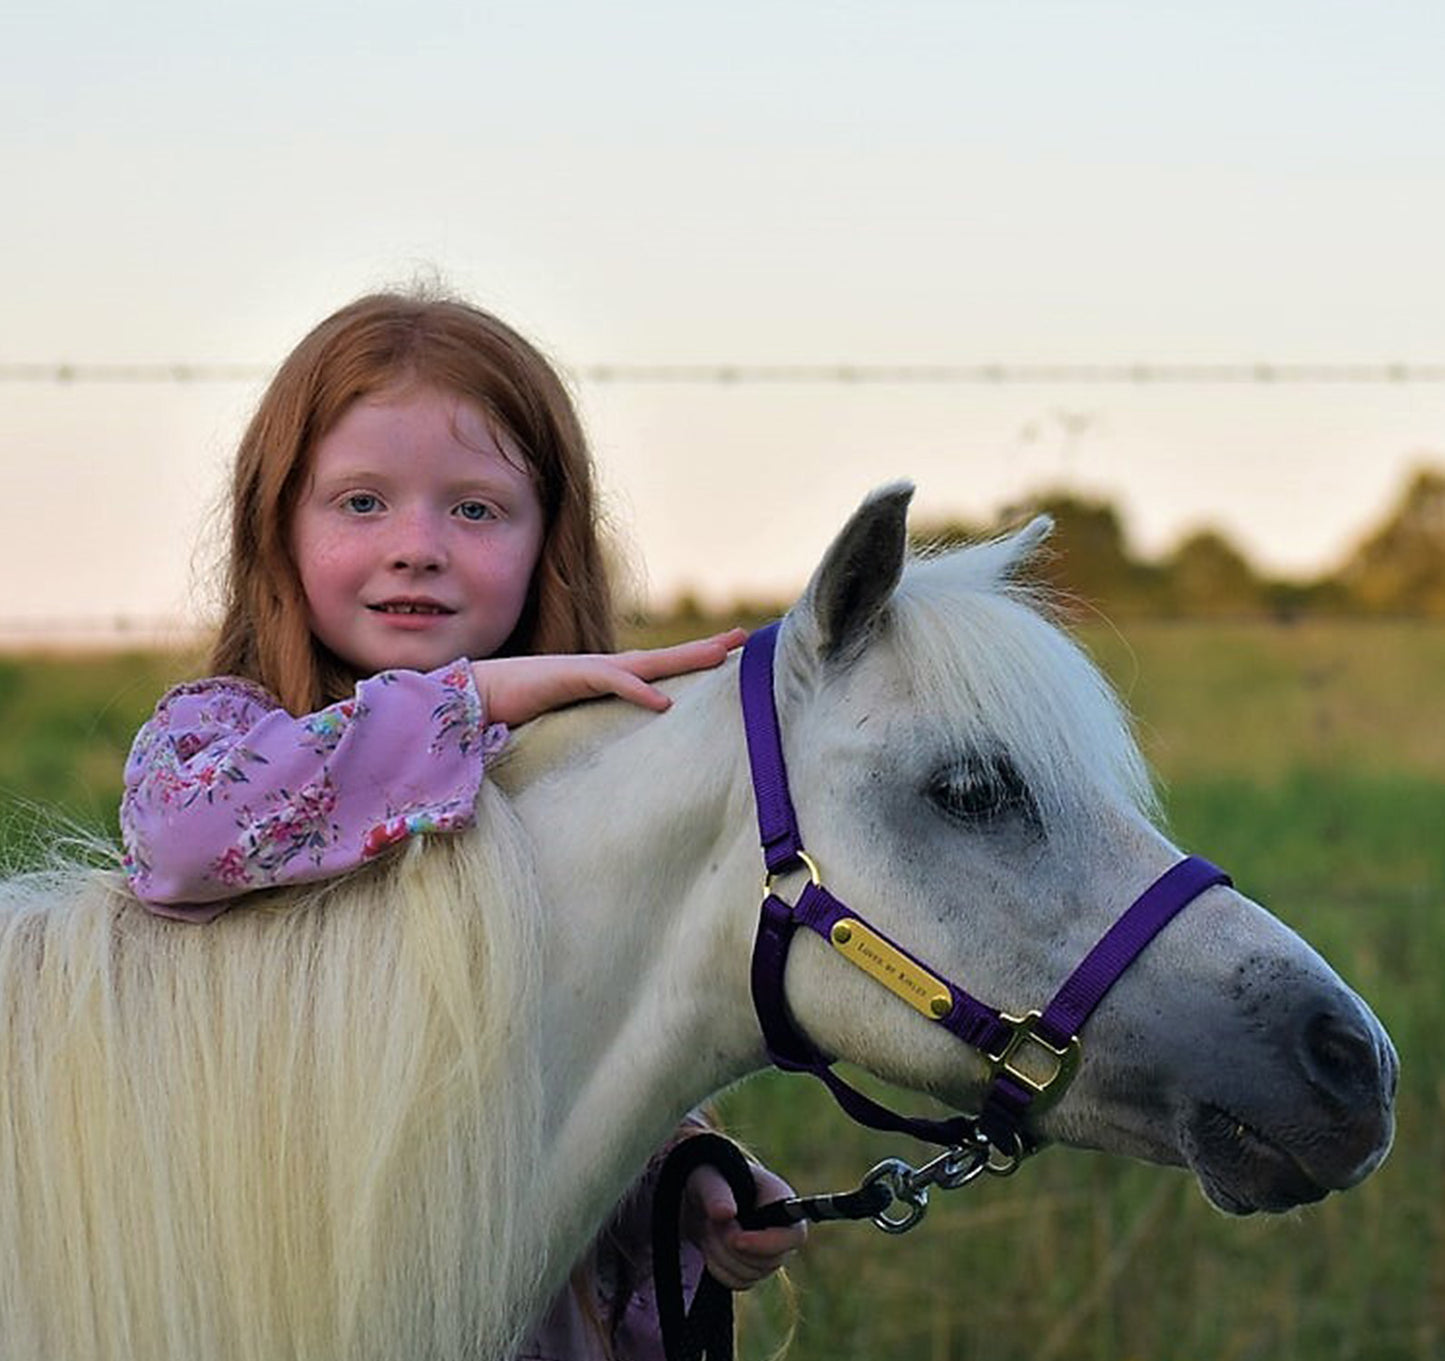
(1032, 1058)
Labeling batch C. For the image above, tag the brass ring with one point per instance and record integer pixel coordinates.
(814, 873)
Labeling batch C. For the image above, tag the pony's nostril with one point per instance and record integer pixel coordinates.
(1343, 1059)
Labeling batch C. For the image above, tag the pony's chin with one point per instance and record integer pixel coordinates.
(1241, 1170)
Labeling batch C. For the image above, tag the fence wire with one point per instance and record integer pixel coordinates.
(990, 374)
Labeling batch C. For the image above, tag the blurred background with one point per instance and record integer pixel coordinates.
(1169, 270)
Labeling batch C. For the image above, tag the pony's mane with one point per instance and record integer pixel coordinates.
(988, 664)
(333, 1091)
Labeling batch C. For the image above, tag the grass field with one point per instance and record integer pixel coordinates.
(1308, 760)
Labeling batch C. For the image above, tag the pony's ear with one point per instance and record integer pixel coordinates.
(859, 571)
(1024, 543)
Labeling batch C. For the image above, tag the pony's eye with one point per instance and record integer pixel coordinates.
(982, 790)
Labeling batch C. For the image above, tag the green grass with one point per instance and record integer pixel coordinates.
(1310, 762)
(67, 723)
(1262, 700)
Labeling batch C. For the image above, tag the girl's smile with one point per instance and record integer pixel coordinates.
(416, 534)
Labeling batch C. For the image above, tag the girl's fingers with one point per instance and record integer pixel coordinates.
(635, 690)
(680, 658)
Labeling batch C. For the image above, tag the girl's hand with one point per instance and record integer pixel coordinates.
(739, 1258)
(515, 689)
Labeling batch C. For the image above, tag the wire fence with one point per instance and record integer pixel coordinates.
(995, 374)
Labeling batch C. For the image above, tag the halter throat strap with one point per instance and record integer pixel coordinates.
(1032, 1057)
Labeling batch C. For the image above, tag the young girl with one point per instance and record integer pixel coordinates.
(414, 564)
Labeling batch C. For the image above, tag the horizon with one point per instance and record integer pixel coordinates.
(181, 632)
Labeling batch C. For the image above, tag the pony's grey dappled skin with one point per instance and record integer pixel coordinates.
(382, 1117)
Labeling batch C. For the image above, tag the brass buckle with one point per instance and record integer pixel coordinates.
(1044, 1068)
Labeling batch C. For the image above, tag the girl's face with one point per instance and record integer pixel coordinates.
(416, 534)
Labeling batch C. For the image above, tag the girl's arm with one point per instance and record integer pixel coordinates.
(227, 792)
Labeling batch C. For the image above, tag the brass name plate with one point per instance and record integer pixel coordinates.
(865, 948)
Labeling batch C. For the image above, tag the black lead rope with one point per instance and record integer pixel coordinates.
(705, 1332)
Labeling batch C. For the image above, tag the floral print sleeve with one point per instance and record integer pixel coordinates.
(226, 792)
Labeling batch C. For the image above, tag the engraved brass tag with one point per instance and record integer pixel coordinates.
(864, 947)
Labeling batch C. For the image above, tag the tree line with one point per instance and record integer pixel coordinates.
(1396, 569)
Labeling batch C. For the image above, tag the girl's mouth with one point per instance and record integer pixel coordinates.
(410, 607)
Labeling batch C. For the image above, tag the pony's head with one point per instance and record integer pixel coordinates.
(967, 781)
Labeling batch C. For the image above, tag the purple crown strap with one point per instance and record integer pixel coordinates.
(777, 821)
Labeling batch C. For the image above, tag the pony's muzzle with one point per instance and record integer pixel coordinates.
(1307, 1104)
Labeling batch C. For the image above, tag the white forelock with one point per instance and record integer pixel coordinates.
(990, 668)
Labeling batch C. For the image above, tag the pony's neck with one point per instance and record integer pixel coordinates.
(646, 854)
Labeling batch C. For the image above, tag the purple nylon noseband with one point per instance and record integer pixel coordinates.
(1032, 1057)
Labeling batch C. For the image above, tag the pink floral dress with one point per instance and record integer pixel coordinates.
(226, 792)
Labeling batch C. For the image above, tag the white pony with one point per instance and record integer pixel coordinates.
(381, 1117)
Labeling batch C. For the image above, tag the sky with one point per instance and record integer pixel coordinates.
(922, 182)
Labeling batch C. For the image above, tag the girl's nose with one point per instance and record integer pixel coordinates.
(417, 545)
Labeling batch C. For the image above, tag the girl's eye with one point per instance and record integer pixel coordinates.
(362, 503)
(475, 511)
